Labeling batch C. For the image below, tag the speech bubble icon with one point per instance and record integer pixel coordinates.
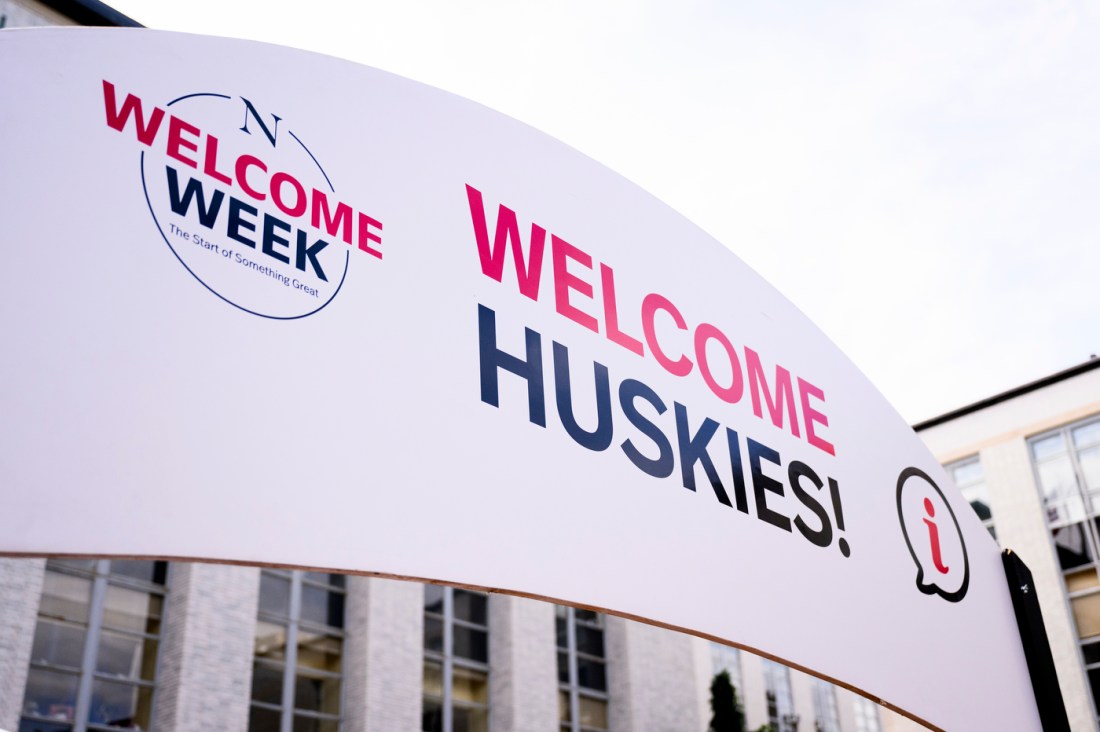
(933, 535)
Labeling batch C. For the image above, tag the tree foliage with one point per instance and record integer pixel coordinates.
(726, 712)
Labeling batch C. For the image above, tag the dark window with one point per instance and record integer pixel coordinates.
(456, 660)
(94, 653)
(582, 669)
(296, 672)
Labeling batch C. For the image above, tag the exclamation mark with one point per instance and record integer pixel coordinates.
(838, 511)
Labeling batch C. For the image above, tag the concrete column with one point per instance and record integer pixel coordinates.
(651, 674)
(204, 680)
(384, 655)
(802, 694)
(20, 591)
(523, 677)
(703, 664)
(356, 612)
(894, 722)
(846, 711)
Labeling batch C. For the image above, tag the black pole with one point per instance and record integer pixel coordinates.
(1033, 635)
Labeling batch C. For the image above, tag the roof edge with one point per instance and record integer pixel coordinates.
(1092, 363)
(91, 13)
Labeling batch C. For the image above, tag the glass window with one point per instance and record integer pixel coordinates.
(866, 714)
(1054, 464)
(456, 660)
(826, 714)
(582, 669)
(725, 658)
(1067, 469)
(322, 606)
(780, 701)
(970, 480)
(94, 654)
(471, 643)
(298, 661)
(58, 644)
(1073, 546)
(274, 595)
(1086, 613)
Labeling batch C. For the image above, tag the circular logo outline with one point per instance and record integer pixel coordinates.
(930, 589)
(160, 229)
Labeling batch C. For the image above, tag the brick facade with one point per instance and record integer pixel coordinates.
(658, 680)
(205, 667)
(20, 590)
(523, 665)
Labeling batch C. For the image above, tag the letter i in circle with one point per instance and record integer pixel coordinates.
(934, 537)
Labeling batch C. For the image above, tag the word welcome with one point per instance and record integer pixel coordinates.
(574, 276)
(188, 144)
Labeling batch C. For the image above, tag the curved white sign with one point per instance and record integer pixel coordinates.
(267, 306)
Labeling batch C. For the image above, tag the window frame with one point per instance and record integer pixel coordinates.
(956, 465)
(826, 708)
(867, 716)
(295, 624)
(728, 659)
(779, 696)
(572, 687)
(1089, 523)
(448, 660)
(101, 579)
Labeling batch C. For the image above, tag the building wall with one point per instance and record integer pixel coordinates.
(20, 589)
(659, 680)
(383, 668)
(206, 654)
(652, 679)
(523, 665)
(998, 435)
(29, 13)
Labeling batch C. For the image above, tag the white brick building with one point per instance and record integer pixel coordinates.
(1029, 461)
(132, 644)
(99, 645)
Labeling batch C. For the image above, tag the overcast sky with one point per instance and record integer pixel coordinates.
(921, 179)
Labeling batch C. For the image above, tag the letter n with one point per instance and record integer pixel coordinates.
(250, 111)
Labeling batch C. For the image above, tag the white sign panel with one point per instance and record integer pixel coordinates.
(266, 306)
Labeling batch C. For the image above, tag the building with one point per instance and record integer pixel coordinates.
(151, 645)
(1029, 462)
(97, 644)
(30, 13)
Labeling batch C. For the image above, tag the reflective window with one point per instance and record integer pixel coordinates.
(298, 653)
(94, 653)
(866, 715)
(777, 691)
(725, 658)
(826, 714)
(1067, 469)
(456, 660)
(582, 669)
(970, 480)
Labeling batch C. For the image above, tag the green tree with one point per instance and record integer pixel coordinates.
(727, 715)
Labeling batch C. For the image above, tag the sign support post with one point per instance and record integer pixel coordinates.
(1033, 635)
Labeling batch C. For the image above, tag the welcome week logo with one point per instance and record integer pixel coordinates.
(242, 202)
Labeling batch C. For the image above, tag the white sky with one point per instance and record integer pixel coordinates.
(922, 179)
